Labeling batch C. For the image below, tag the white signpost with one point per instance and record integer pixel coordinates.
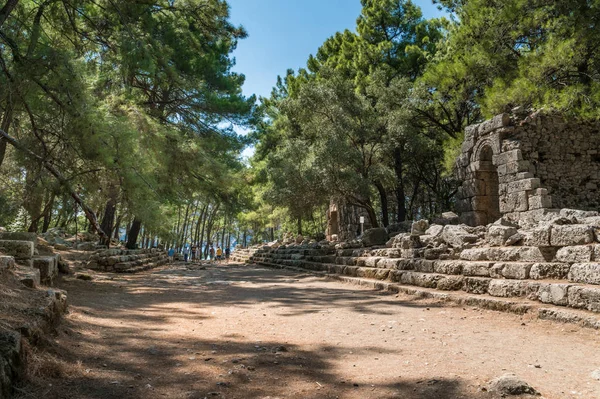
(362, 225)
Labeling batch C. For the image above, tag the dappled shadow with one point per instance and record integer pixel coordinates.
(120, 340)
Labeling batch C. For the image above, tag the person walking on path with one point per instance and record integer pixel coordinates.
(227, 254)
(186, 254)
(211, 252)
(219, 254)
(193, 254)
(171, 254)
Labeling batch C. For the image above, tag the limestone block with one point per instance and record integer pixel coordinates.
(335, 269)
(575, 254)
(7, 262)
(450, 283)
(448, 267)
(498, 234)
(477, 269)
(457, 236)
(513, 168)
(48, 268)
(393, 253)
(514, 202)
(423, 266)
(539, 237)
(566, 235)
(360, 261)
(540, 201)
(517, 254)
(508, 157)
(542, 271)
(507, 288)
(588, 273)
(476, 285)
(396, 275)
(584, 298)
(419, 227)
(388, 263)
(28, 276)
(18, 249)
(511, 270)
(371, 261)
(351, 271)
(556, 294)
(434, 253)
(497, 122)
(596, 252)
(523, 185)
(483, 203)
(475, 254)
(406, 264)
(426, 280)
(472, 187)
(434, 230)
(20, 236)
(376, 236)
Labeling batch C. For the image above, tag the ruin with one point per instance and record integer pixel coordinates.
(343, 221)
(520, 166)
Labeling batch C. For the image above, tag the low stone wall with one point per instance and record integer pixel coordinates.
(557, 262)
(127, 261)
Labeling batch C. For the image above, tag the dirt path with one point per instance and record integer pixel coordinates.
(247, 332)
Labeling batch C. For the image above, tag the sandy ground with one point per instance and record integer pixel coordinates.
(235, 331)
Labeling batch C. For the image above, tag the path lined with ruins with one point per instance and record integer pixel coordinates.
(235, 331)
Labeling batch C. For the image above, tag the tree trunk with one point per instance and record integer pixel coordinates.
(48, 213)
(299, 226)
(134, 231)
(5, 125)
(6, 10)
(204, 218)
(400, 195)
(384, 203)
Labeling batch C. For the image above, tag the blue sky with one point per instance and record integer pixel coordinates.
(282, 34)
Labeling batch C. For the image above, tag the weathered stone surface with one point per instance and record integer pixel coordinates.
(506, 254)
(475, 254)
(423, 266)
(511, 270)
(510, 384)
(48, 268)
(457, 236)
(541, 271)
(450, 283)
(584, 298)
(498, 234)
(419, 227)
(376, 236)
(7, 262)
(477, 269)
(388, 263)
(476, 285)
(539, 237)
(556, 294)
(371, 261)
(20, 236)
(588, 273)
(426, 280)
(434, 230)
(566, 235)
(448, 267)
(18, 249)
(575, 254)
(507, 288)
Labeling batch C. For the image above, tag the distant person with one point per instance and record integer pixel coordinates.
(219, 254)
(171, 255)
(193, 254)
(227, 254)
(211, 253)
(198, 253)
(186, 254)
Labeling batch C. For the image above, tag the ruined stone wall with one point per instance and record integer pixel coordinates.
(523, 167)
(343, 220)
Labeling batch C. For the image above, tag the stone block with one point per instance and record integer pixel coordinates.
(498, 234)
(20, 236)
(457, 236)
(507, 288)
(477, 269)
(388, 263)
(351, 271)
(575, 254)
(514, 202)
(48, 268)
(434, 230)
(425, 280)
(419, 227)
(7, 262)
(584, 298)
(513, 168)
(18, 249)
(542, 271)
(519, 254)
(508, 157)
(376, 236)
(539, 237)
(371, 261)
(523, 185)
(566, 235)
(450, 283)
(556, 294)
(475, 254)
(540, 201)
(476, 285)
(448, 267)
(588, 273)
(511, 270)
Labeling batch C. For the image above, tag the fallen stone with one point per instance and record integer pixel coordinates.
(376, 236)
(510, 384)
(419, 227)
(457, 236)
(497, 235)
(434, 230)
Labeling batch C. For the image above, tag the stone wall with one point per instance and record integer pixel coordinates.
(343, 221)
(126, 260)
(525, 167)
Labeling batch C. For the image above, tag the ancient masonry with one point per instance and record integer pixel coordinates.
(127, 261)
(343, 221)
(521, 246)
(523, 167)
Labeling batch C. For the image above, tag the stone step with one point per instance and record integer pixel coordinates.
(48, 267)
(20, 250)
(7, 262)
